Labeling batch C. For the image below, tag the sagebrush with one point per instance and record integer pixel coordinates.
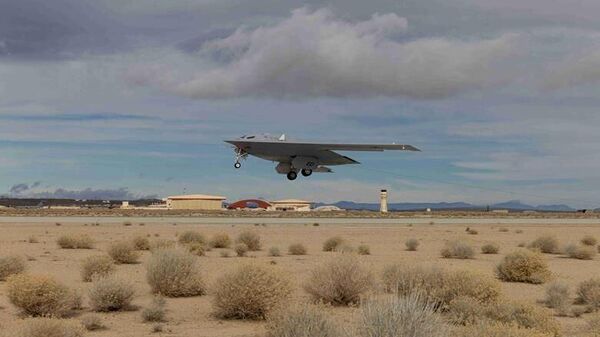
(174, 273)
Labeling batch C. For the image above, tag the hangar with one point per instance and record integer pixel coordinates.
(291, 205)
(195, 201)
(251, 204)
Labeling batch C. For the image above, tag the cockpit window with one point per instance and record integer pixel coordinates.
(250, 137)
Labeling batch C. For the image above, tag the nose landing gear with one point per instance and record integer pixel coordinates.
(240, 154)
(237, 165)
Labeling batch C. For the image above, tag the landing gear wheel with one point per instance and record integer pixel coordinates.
(292, 175)
(306, 172)
(237, 165)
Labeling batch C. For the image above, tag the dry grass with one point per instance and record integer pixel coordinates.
(523, 315)
(174, 273)
(82, 241)
(33, 239)
(593, 325)
(439, 286)
(547, 244)
(523, 266)
(412, 244)
(198, 249)
(110, 294)
(50, 327)
(191, 237)
(340, 281)
(503, 230)
(490, 248)
(297, 249)
(156, 311)
(38, 295)
(496, 329)
(141, 243)
(274, 251)
(332, 244)
(580, 252)
(558, 297)
(400, 316)
(10, 265)
(250, 239)
(123, 252)
(220, 240)
(589, 240)
(457, 250)
(588, 293)
(92, 322)
(96, 266)
(161, 244)
(472, 231)
(465, 310)
(241, 249)
(302, 321)
(251, 291)
(363, 250)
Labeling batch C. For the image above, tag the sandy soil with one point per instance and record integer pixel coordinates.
(192, 316)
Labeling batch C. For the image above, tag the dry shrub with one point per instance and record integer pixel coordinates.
(297, 249)
(490, 248)
(196, 248)
(588, 293)
(191, 237)
(38, 295)
(412, 244)
(523, 266)
(274, 251)
(250, 239)
(472, 231)
(589, 240)
(92, 322)
(363, 250)
(593, 325)
(82, 241)
(123, 252)
(400, 316)
(50, 327)
(557, 297)
(156, 311)
(496, 329)
(547, 244)
(10, 265)
(524, 315)
(345, 248)
(580, 252)
(439, 286)
(110, 294)
(127, 224)
(241, 249)
(96, 266)
(503, 230)
(457, 250)
(220, 240)
(340, 281)
(161, 244)
(174, 273)
(251, 291)
(224, 253)
(332, 244)
(302, 321)
(32, 239)
(464, 310)
(141, 243)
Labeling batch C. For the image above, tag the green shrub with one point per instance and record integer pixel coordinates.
(297, 249)
(547, 244)
(38, 295)
(523, 266)
(412, 244)
(457, 250)
(174, 273)
(250, 239)
(332, 244)
(123, 252)
(251, 291)
(110, 294)
(340, 281)
(10, 265)
(94, 266)
(302, 321)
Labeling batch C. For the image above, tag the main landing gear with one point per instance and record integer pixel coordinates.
(292, 175)
(306, 172)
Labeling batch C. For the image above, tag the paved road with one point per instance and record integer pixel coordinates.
(344, 221)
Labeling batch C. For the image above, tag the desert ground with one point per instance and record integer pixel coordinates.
(192, 316)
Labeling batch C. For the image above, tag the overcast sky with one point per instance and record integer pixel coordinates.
(130, 98)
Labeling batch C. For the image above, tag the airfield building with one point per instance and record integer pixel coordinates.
(195, 201)
(294, 205)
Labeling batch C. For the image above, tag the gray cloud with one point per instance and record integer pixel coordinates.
(575, 71)
(121, 193)
(314, 54)
(19, 188)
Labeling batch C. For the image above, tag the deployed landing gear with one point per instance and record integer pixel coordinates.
(292, 175)
(237, 165)
(306, 172)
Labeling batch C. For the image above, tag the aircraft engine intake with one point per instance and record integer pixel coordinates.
(283, 168)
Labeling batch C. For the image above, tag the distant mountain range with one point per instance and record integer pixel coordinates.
(407, 206)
